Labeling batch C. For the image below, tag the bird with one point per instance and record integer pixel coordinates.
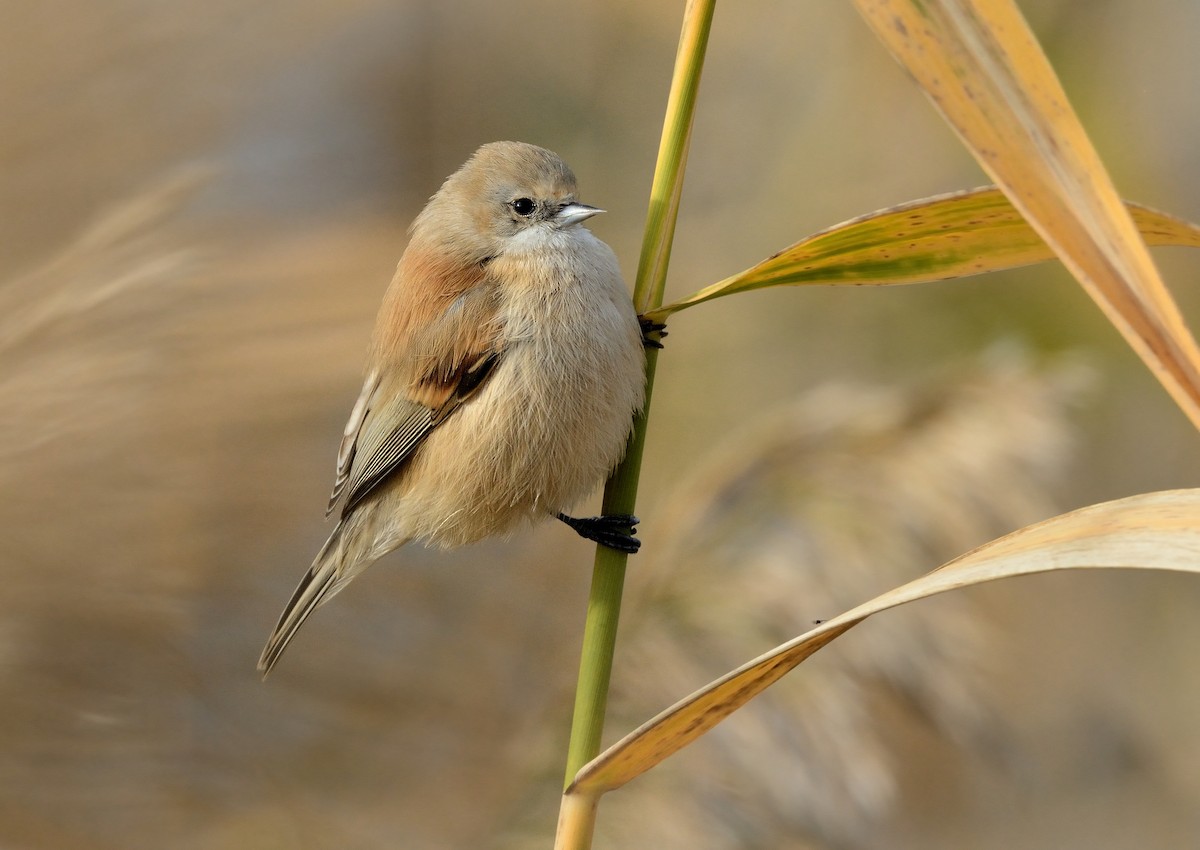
(505, 371)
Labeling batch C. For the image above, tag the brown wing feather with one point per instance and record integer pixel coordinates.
(396, 448)
(431, 355)
(419, 312)
(349, 444)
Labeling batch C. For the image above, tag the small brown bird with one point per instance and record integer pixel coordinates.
(505, 371)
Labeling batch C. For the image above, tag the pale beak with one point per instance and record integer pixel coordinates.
(574, 213)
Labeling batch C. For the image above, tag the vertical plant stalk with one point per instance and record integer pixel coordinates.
(620, 494)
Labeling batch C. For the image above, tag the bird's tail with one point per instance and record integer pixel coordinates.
(324, 578)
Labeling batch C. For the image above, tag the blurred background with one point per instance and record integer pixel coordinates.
(201, 204)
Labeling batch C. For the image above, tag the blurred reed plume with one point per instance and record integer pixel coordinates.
(64, 327)
(90, 595)
(815, 507)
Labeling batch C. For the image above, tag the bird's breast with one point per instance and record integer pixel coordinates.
(573, 370)
(554, 417)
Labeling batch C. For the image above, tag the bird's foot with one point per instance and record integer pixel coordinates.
(652, 332)
(616, 531)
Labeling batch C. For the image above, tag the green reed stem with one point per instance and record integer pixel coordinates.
(620, 495)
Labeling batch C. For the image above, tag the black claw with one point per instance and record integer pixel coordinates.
(652, 332)
(616, 531)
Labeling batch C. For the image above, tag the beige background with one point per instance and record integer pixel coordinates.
(201, 204)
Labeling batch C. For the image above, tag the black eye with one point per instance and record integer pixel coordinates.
(522, 206)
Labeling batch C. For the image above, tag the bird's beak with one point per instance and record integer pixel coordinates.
(574, 213)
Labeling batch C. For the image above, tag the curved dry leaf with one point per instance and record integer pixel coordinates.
(946, 236)
(1151, 531)
(986, 73)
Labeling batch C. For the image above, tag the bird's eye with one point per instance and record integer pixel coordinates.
(522, 206)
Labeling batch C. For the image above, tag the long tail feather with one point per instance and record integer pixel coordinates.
(318, 586)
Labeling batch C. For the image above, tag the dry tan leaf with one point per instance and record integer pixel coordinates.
(984, 70)
(1151, 531)
(947, 236)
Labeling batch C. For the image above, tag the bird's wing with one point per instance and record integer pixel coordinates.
(346, 449)
(444, 364)
(386, 450)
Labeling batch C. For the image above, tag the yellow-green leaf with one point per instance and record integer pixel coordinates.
(984, 70)
(1152, 531)
(946, 236)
